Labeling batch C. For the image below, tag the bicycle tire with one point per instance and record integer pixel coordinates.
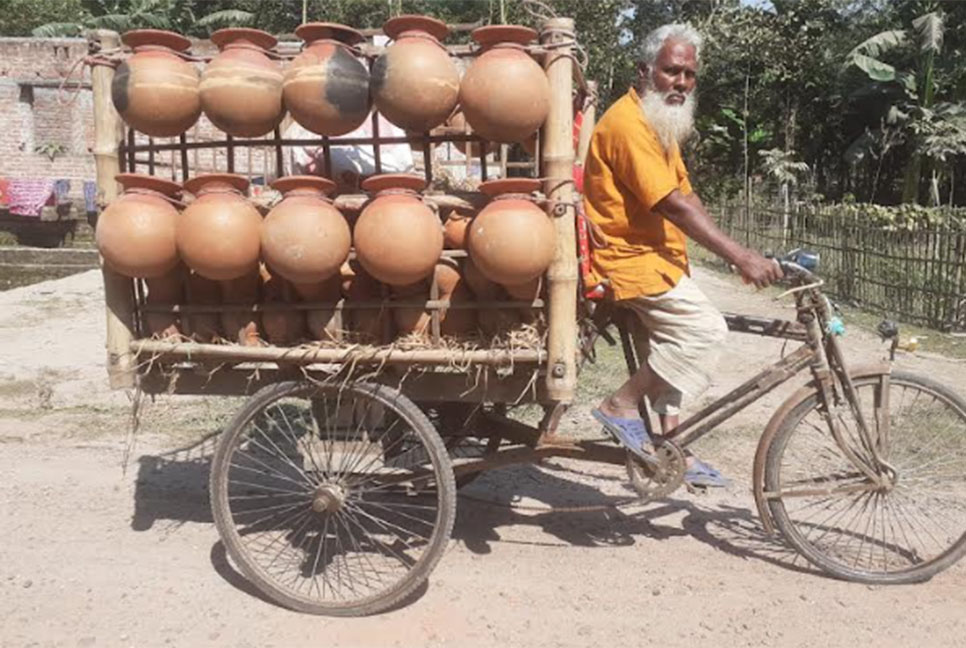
(442, 478)
(822, 557)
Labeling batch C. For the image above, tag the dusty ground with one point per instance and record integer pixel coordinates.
(96, 554)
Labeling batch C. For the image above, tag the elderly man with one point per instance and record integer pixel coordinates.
(640, 202)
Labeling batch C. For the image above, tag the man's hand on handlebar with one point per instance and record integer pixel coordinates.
(756, 269)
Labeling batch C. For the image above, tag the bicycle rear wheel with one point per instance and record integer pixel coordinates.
(848, 522)
(333, 500)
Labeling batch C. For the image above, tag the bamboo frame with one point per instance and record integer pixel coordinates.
(118, 290)
(307, 355)
(554, 159)
(557, 155)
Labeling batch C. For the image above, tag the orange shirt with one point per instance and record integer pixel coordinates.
(626, 174)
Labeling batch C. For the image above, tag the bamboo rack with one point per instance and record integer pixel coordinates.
(119, 150)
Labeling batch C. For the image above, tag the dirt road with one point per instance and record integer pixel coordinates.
(95, 555)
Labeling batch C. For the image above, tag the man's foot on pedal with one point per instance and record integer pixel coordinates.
(703, 475)
(628, 432)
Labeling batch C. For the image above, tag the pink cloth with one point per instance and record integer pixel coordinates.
(26, 196)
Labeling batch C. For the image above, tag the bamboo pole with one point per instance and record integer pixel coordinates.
(314, 355)
(557, 153)
(588, 123)
(118, 295)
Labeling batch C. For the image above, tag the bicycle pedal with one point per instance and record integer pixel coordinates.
(696, 489)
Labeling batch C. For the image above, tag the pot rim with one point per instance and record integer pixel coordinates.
(490, 35)
(257, 37)
(313, 31)
(196, 184)
(318, 184)
(494, 188)
(164, 187)
(395, 27)
(137, 38)
(385, 181)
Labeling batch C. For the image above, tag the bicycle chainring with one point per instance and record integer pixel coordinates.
(653, 482)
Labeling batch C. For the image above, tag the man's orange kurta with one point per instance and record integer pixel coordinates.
(626, 174)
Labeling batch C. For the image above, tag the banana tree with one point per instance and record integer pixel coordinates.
(782, 167)
(917, 84)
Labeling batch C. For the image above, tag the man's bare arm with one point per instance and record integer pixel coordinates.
(689, 214)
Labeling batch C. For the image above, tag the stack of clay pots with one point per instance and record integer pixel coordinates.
(243, 273)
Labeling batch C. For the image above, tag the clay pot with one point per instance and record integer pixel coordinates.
(155, 90)
(202, 327)
(219, 234)
(526, 292)
(472, 149)
(453, 288)
(411, 321)
(505, 94)
(398, 239)
(415, 83)
(454, 230)
(369, 324)
(241, 88)
(281, 327)
(241, 326)
(304, 238)
(483, 288)
(324, 324)
(136, 233)
(511, 240)
(326, 88)
(166, 289)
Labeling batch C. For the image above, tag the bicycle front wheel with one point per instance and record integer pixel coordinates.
(901, 522)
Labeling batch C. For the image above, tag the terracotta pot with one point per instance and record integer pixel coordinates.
(511, 240)
(155, 90)
(241, 88)
(368, 324)
(305, 238)
(454, 230)
(483, 288)
(280, 327)
(473, 149)
(415, 83)
(453, 288)
(169, 288)
(412, 321)
(528, 291)
(136, 234)
(324, 324)
(219, 234)
(496, 322)
(202, 327)
(326, 88)
(398, 239)
(241, 326)
(505, 94)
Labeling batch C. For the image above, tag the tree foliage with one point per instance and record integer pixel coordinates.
(869, 94)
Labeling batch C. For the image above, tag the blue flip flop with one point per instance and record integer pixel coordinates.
(630, 433)
(704, 475)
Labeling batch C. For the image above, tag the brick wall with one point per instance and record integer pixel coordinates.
(33, 117)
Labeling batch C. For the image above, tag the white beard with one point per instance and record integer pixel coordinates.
(673, 123)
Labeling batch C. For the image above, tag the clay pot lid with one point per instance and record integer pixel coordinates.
(396, 26)
(495, 34)
(312, 183)
(198, 183)
(494, 188)
(148, 182)
(225, 37)
(157, 37)
(314, 31)
(386, 181)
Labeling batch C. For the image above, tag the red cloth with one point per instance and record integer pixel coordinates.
(26, 196)
(3, 192)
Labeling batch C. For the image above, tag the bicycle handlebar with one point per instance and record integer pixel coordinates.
(792, 269)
